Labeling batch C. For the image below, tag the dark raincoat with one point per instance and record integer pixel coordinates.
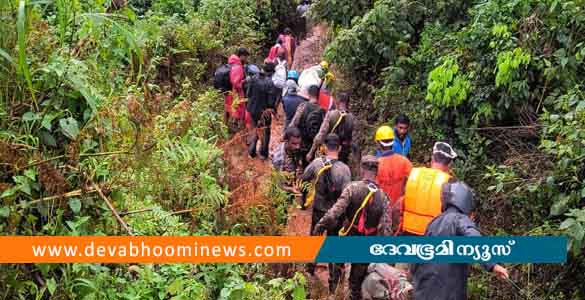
(445, 281)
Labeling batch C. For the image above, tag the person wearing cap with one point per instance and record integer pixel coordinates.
(422, 201)
(341, 122)
(329, 177)
(366, 209)
(260, 107)
(393, 170)
(443, 156)
(449, 281)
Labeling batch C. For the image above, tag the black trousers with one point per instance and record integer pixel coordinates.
(334, 268)
(264, 122)
(357, 274)
(356, 278)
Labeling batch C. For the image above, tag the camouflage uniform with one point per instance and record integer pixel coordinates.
(329, 121)
(379, 216)
(325, 197)
(296, 120)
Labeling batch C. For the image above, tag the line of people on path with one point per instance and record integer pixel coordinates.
(389, 196)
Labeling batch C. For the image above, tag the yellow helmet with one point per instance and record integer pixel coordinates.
(384, 134)
(324, 64)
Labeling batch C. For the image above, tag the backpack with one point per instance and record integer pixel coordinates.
(343, 126)
(221, 78)
(311, 122)
(279, 76)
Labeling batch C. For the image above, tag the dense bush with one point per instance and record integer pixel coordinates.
(502, 80)
(117, 93)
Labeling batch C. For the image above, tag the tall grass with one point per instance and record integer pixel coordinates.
(22, 64)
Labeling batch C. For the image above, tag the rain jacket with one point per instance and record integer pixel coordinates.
(237, 80)
(445, 281)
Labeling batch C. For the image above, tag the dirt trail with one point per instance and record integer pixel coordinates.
(308, 53)
(247, 177)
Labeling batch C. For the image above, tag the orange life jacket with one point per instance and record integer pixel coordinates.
(422, 199)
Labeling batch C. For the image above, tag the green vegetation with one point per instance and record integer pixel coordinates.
(501, 80)
(115, 96)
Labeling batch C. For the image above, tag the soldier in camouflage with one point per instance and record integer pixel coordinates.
(376, 216)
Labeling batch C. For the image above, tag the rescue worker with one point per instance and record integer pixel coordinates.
(443, 156)
(449, 281)
(393, 170)
(291, 100)
(261, 109)
(237, 77)
(372, 219)
(329, 177)
(402, 140)
(422, 200)
(341, 122)
(308, 118)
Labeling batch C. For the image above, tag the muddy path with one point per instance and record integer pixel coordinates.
(248, 177)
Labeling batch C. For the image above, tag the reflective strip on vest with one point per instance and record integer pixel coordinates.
(422, 199)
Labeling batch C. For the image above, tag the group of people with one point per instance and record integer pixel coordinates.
(387, 196)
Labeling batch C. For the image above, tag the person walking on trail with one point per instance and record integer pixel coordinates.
(287, 158)
(308, 118)
(449, 281)
(261, 108)
(236, 77)
(289, 44)
(402, 142)
(422, 200)
(329, 176)
(279, 77)
(393, 170)
(276, 51)
(321, 76)
(301, 18)
(291, 99)
(366, 209)
(292, 84)
(341, 122)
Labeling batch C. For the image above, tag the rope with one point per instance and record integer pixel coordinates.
(311, 194)
(345, 231)
(342, 115)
